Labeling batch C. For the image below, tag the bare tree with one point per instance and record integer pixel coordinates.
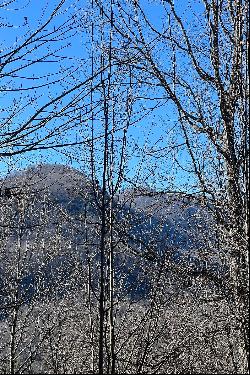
(200, 65)
(42, 89)
(138, 306)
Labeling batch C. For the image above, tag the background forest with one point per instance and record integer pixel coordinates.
(124, 187)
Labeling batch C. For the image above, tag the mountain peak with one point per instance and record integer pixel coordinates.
(53, 177)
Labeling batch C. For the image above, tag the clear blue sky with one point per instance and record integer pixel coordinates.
(22, 17)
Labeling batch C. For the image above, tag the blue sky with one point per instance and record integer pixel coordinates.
(24, 16)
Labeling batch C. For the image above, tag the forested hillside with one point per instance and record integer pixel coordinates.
(124, 187)
(164, 281)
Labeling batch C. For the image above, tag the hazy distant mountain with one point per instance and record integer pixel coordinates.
(168, 219)
(182, 220)
(62, 214)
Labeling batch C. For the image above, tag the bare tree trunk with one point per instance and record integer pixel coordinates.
(13, 341)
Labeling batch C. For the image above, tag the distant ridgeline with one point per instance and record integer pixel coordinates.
(62, 201)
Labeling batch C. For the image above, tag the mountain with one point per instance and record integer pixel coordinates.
(50, 217)
(181, 221)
